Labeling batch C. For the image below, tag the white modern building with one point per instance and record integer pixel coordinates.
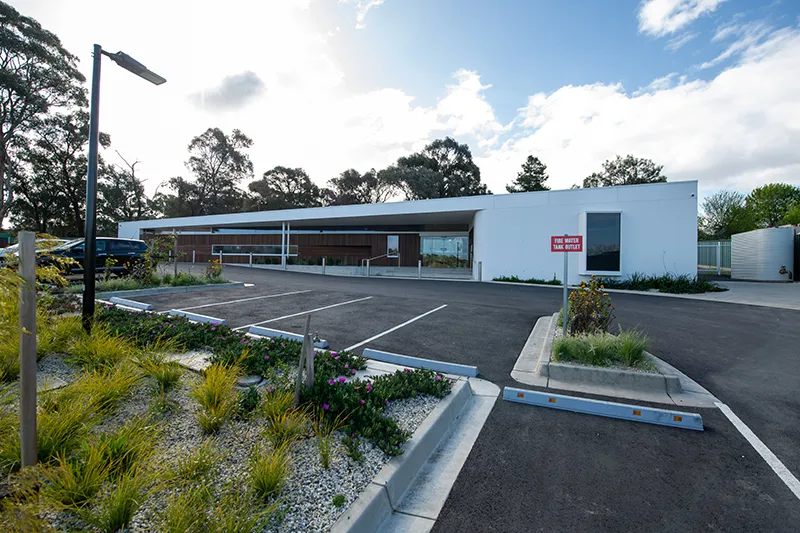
(651, 229)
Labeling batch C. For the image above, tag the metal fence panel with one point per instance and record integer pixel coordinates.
(714, 256)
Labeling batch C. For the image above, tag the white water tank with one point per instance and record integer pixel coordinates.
(759, 255)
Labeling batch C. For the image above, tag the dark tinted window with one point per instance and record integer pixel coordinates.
(139, 246)
(121, 246)
(101, 245)
(602, 242)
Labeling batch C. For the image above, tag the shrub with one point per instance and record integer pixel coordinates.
(590, 309)
(214, 269)
(668, 283)
(125, 448)
(101, 349)
(116, 508)
(57, 334)
(249, 400)
(73, 482)
(408, 383)
(198, 465)
(339, 500)
(267, 471)
(155, 364)
(62, 431)
(9, 357)
(284, 429)
(352, 445)
(186, 511)
(102, 389)
(216, 395)
(324, 427)
(603, 349)
(236, 512)
(276, 402)
(534, 281)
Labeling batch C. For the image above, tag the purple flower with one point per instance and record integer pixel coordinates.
(243, 340)
(325, 406)
(266, 357)
(353, 371)
(361, 402)
(283, 344)
(336, 358)
(270, 390)
(334, 353)
(387, 403)
(438, 378)
(213, 328)
(331, 382)
(346, 365)
(406, 370)
(369, 387)
(342, 379)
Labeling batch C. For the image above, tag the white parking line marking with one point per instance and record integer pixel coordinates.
(242, 300)
(304, 312)
(404, 324)
(777, 466)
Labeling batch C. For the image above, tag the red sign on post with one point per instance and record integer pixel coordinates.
(566, 243)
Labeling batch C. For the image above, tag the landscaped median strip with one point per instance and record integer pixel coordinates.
(152, 291)
(418, 362)
(197, 318)
(130, 303)
(649, 415)
(276, 333)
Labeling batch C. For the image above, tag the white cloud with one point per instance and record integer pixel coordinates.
(362, 8)
(465, 110)
(748, 35)
(677, 42)
(736, 130)
(663, 17)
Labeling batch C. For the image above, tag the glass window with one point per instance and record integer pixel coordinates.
(602, 242)
(444, 251)
(393, 246)
(255, 249)
(100, 245)
(121, 246)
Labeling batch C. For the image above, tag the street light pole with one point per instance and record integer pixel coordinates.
(89, 256)
(91, 195)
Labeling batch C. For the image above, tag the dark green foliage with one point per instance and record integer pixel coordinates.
(444, 169)
(248, 401)
(338, 500)
(668, 283)
(352, 187)
(285, 188)
(533, 281)
(771, 203)
(364, 402)
(628, 170)
(603, 349)
(352, 446)
(725, 214)
(531, 178)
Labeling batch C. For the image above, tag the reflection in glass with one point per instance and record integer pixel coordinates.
(445, 251)
(602, 242)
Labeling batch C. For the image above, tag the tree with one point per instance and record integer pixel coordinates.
(219, 163)
(185, 202)
(725, 214)
(352, 187)
(56, 157)
(121, 198)
(531, 178)
(628, 170)
(771, 203)
(286, 188)
(793, 216)
(444, 169)
(36, 74)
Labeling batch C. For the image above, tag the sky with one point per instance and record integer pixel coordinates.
(707, 88)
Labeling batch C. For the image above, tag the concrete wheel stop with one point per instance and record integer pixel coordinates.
(668, 386)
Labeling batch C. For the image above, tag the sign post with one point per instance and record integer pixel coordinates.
(566, 244)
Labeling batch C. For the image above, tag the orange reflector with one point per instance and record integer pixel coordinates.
(520, 395)
(551, 400)
(636, 412)
(677, 418)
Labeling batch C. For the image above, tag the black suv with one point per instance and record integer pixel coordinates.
(126, 252)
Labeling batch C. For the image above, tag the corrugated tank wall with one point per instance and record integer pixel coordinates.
(759, 255)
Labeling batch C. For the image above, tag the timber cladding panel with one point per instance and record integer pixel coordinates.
(349, 247)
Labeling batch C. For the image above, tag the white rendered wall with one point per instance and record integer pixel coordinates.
(658, 230)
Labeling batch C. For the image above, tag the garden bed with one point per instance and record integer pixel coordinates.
(162, 448)
(130, 283)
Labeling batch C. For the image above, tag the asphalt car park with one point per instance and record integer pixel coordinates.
(535, 469)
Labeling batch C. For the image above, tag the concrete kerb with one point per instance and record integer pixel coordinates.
(534, 367)
(167, 290)
(418, 362)
(635, 413)
(131, 303)
(276, 333)
(195, 317)
(385, 492)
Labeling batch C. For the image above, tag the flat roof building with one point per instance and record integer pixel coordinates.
(649, 228)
